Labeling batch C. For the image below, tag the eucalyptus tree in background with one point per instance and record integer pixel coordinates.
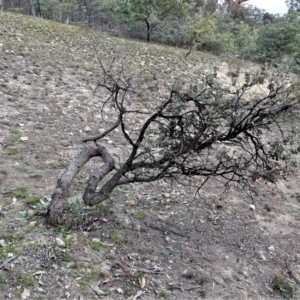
(293, 5)
(152, 12)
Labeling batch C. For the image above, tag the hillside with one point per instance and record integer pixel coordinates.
(151, 241)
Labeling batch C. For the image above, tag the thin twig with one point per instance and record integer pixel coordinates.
(133, 268)
(8, 261)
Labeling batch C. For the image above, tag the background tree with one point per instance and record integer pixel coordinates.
(152, 12)
(201, 129)
(293, 5)
(278, 41)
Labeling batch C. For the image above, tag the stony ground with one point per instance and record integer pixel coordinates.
(151, 241)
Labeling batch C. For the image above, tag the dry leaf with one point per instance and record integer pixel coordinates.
(97, 290)
(23, 138)
(106, 244)
(107, 280)
(142, 282)
(39, 273)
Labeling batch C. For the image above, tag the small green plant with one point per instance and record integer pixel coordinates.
(36, 176)
(296, 196)
(116, 237)
(202, 294)
(3, 277)
(281, 285)
(26, 215)
(75, 204)
(267, 208)
(3, 172)
(11, 248)
(15, 131)
(28, 281)
(32, 201)
(163, 295)
(19, 193)
(171, 250)
(12, 151)
(29, 163)
(140, 215)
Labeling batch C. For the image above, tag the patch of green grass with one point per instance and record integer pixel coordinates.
(94, 274)
(32, 201)
(15, 131)
(141, 215)
(75, 204)
(3, 172)
(12, 151)
(281, 285)
(58, 165)
(28, 281)
(14, 248)
(110, 257)
(26, 215)
(163, 295)
(36, 176)
(22, 194)
(296, 196)
(171, 250)
(40, 126)
(92, 244)
(116, 237)
(19, 193)
(29, 163)
(9, 235)
(202, 294)
(3, 277)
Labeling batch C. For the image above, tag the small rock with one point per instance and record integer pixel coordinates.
(166, 195)
(96, 240)
(120, 291)
(271, 248)
(136, 227)
(24, 138)
(32, 223)
(25, 294)
(60, 243)
(2, 243)
(261, 255)
(87, 129)
(252, 207)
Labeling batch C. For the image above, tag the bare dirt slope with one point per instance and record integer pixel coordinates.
(152, 241)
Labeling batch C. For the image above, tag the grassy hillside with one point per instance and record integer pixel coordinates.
(151, 241)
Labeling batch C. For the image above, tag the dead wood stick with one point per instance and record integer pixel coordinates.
(8, 261)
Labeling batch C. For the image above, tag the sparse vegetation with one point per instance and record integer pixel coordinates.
(281, 285)
(103, 251)
(141, 215)
(12, 151)
(28, 281)
(116, 237)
